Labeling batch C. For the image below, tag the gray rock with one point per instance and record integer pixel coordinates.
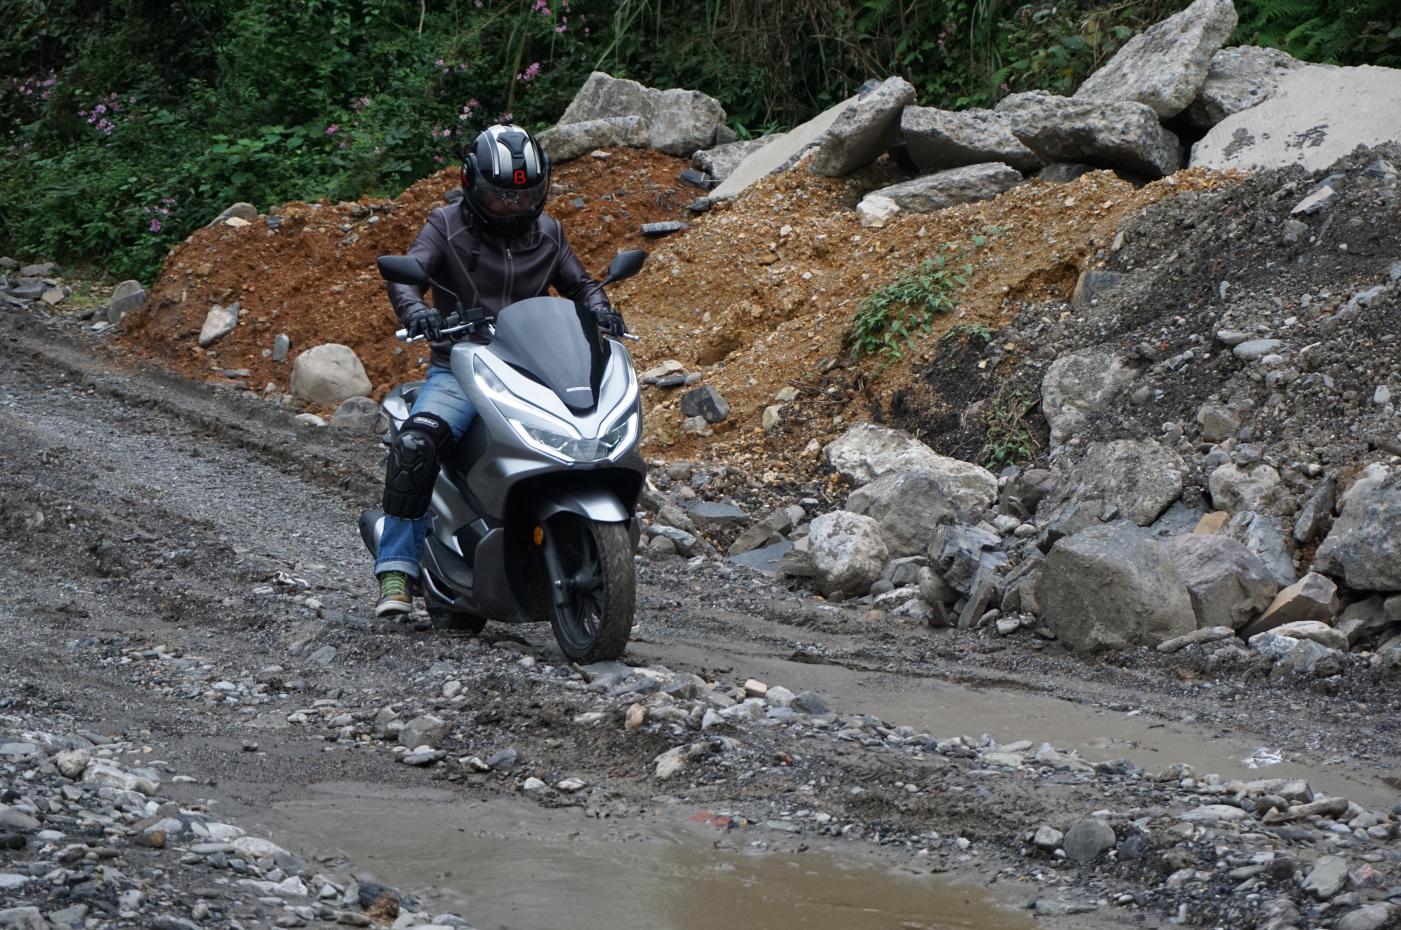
(37, 270)
(1047, 838)
(357, 414)
(863, 130)
(281, 345)
(240, 210)
(126, 297)
(1024, 492)
(1166, 66)
(17, 821)
(1228, 583)
(567, 141)
(218, 323)
(1111, 586)
(423, 731)
(1217, 422)
(933, 589)
(866, 451)
(1078, 385)
(1063, 172)
(1364, 545)
(323, 656)
(1255, 349)
(956, 185)
(715, 514)
(1235, 489)
(847, 552)
(1367, 917)
(768, 559)
(721, 161)
(1317, 511)
(1138, 478)
(1327, 877)
(909, 505)
(705, 402)
(22, 918)
(1122, 136)
(1088, 840)
(328, 374)
(1317, 115)
(1093, 284)
(679, 122)
(782, 150)
(1312, 597)
(809, 702)
(1262, 535)
(665, 228)
(959, 552)
(1210, 634)
(941, 139)
(1366, 622)
(1238, 79)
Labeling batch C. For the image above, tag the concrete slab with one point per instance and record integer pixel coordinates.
(1317, 115)
(777, 153)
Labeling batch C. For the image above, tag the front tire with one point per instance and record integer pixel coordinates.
(592, 584)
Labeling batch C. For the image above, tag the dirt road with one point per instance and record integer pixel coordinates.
(181, 567)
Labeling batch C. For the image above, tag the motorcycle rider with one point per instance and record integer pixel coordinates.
(493, 248)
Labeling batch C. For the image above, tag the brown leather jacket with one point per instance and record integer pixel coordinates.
(490, 273)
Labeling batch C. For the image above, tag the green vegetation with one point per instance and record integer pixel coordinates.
(898, 314)
(1008, 438)
(125, 124)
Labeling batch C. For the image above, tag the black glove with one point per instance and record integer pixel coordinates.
(611, 322)
(424, 321)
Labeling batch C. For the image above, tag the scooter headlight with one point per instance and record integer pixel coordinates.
(574, 449)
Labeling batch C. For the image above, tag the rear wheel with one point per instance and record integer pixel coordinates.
(592, 585)
(446, 619)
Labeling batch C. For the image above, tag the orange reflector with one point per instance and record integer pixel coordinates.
(539, 536)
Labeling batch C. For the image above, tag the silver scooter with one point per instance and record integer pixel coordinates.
(532, 513)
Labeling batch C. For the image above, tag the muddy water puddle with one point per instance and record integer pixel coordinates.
(505, 864)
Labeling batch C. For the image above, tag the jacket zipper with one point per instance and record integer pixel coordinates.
(510, 273)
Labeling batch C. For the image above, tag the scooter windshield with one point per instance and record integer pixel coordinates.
(555, 342)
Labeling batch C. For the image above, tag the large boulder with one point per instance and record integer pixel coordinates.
(1123, 136)
(679, 122)
(1139, 477)
(941, 139)
(956, 185)
(866, 451)
(1166, 65)
(571, 140)
(908, 505)
(864, 130)
(721, 161)
(847, 552)
(1364, 546)
(329, 374)
(1228, 583)
(1112, 586)
(1078, 385)
(1316, 115)
(782, 150)
(1239, 78)
(1311, 598)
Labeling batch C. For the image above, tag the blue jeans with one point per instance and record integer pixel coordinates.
(402, 539)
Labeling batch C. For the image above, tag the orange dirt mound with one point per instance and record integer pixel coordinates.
(761, 293)
(313, 276)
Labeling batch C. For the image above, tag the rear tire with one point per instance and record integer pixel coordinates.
(594, 561)
(447, 620)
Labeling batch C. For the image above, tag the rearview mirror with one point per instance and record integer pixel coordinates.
(625, 265)
(402, 269)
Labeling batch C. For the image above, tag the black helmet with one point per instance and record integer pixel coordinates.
(505, 179)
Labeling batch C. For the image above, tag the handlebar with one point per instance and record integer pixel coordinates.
(403, 334)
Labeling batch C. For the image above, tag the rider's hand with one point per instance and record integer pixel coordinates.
(424, 321)
(611, 322)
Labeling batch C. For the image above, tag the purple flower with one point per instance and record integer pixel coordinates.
(332, 129)
(155, 226)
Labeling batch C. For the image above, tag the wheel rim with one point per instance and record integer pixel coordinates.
(579, 590)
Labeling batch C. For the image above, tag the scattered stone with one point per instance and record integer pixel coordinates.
(126, 297)
(1209, 634)
(847, 552)
(666, 228)
(910, 504)
(423, 731)
(1256, 488)
(357, 414)
(1137, 478)
(1313, 597)
(705, 402)
(240, 211)
(678, 122)
(1093, 284)
(1364, 546)
(721, 161)
(281, 345)
(1327, 877)
(566, 141)
(942, 139)
(218, 323)
(1088, 840)
(1238, 79)
(1078, 385)
(875, 210)
(328, 374)
(1228, 583)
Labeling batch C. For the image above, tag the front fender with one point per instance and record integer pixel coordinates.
(597, 504)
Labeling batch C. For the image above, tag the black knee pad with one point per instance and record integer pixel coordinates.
(413, 465)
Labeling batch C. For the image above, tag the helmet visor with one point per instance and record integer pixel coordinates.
(512, 203)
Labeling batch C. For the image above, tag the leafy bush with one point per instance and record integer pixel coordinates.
(891, 318)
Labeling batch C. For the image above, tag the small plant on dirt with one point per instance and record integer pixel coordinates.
(973, 332)
(1008, 439)
(888, 320)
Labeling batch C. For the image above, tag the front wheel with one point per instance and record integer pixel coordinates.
(593, 590)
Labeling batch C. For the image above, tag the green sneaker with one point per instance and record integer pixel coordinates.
(394, 596)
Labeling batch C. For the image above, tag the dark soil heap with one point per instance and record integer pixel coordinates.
(1202, 271)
